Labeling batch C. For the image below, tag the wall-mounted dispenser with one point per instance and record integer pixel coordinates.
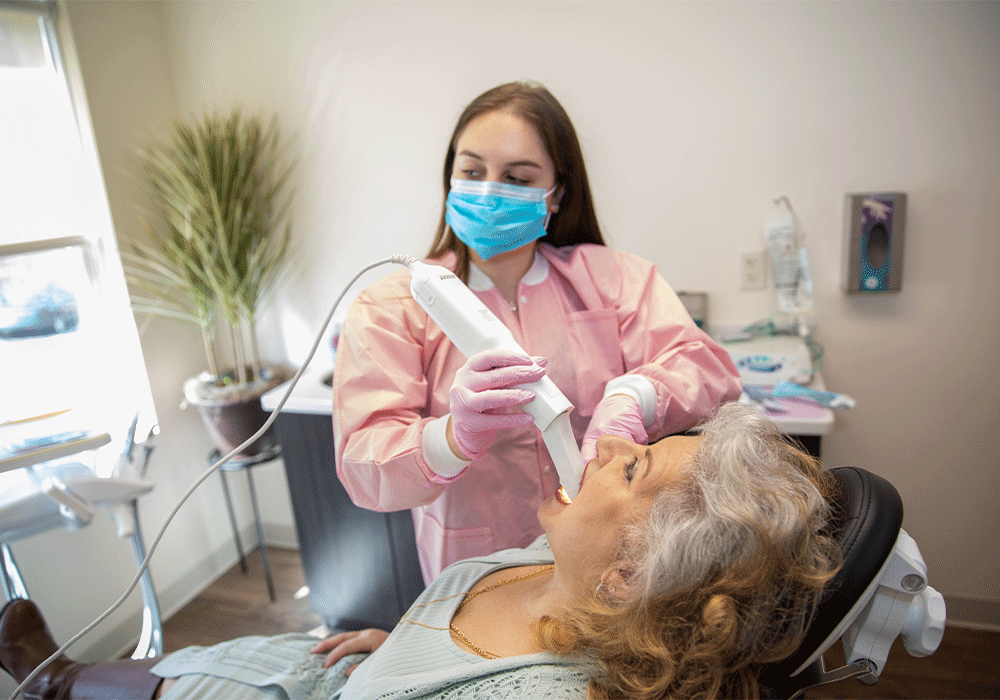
(873, 237)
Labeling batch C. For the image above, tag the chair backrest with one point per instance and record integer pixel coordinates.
(868, 519)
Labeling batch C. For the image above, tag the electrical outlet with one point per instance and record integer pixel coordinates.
(752, 270)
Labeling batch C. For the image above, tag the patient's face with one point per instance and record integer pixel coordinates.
(618, 486)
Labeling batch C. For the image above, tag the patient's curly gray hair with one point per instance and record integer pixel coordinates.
(744, 476)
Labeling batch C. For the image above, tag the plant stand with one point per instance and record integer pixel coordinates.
(246, 464)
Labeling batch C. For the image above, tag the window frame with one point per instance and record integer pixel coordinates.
(99, 246)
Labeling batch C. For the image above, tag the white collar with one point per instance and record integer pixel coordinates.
(536, 274)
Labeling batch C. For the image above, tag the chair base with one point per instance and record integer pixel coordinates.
(816, 675)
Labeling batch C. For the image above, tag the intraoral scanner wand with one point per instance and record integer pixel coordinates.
(472, 327)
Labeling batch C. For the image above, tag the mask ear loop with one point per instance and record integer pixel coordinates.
(548, 212)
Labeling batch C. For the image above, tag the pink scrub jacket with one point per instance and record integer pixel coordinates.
(594, 312)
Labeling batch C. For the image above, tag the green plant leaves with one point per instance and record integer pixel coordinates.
(219, 188)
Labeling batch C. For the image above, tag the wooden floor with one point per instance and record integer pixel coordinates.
(967, 664)
(237, 604)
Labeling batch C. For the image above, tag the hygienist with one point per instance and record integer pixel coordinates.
(420, 426)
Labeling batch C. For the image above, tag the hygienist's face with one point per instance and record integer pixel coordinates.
(618, 486)
(502, 147)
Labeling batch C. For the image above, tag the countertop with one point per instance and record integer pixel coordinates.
(799, 416)
(312, 394)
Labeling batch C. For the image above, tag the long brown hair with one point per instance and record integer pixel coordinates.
(576, 221)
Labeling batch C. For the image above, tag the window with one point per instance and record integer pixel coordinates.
(67, 335)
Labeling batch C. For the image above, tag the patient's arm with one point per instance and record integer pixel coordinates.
(345, 643)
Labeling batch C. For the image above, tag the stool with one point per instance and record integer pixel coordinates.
(246, 464)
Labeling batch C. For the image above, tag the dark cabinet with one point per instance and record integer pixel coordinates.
(361, 566)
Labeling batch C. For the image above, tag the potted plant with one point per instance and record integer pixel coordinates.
(220, 238)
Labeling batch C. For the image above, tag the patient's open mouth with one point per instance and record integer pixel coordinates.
(562, 496)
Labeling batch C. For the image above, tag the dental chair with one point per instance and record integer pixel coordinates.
(880, 593)
(65, 494)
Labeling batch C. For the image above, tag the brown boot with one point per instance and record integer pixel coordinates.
(25, 642)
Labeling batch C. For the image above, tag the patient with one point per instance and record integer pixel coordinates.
(679, 571)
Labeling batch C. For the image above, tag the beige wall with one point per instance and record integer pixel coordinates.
(692, 117)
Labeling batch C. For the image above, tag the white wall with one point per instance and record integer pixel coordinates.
(693, 115)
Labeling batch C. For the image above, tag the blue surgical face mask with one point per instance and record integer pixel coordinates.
(494, 217)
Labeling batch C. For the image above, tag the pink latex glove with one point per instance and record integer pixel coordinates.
(482, 397)
(619, 415)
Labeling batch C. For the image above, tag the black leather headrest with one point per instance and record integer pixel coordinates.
(868, 517)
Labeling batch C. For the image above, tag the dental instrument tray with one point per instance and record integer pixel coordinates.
(767, 360)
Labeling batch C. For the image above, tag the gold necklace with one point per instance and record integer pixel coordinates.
(469, 596)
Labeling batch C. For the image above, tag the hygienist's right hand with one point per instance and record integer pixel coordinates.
(483, 395)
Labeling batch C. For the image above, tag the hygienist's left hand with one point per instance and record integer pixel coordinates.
(619, 415)
(346, 643)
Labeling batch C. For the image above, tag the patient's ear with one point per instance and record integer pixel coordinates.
(617, 580)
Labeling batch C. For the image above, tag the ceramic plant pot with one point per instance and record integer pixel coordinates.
(232, 412)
